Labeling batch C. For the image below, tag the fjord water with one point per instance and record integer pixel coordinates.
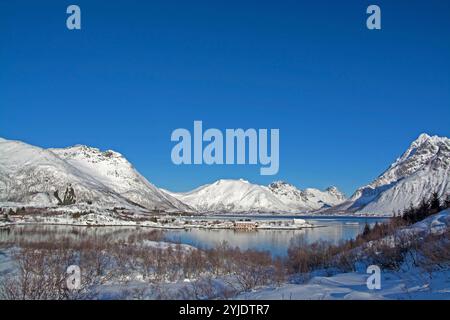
(332, 229)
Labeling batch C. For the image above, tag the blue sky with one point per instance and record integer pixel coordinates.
(347, 100)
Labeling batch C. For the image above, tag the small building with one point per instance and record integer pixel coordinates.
(299, 222)
(245, 225)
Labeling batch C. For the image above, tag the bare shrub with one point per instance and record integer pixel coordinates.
(434, 252)
(253, 268)
(304, 257)
(41, 275)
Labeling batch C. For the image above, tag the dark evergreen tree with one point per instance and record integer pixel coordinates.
(447, 202)
(435, 203)
(366, 231)
(56, 194)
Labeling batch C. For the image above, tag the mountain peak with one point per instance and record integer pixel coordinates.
(422, 137)
(421, 151)
(426, 138)
(421, 170)
(233, 196)
(336, 192)
(115, 172)
(278, 184)
(308, 199)
(87, 151)
(231, 181)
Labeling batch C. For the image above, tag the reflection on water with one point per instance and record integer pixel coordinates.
(41, 233)
(275, 241)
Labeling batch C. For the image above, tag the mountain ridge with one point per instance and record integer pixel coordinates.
(32, 175)
(420, 171)
(239, 195)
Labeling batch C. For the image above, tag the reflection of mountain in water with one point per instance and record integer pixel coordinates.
(275, 241)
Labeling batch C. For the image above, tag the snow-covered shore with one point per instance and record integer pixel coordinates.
(402, 285)
(160, 222)
(409, 282)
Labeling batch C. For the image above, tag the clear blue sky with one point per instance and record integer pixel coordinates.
(347, 100)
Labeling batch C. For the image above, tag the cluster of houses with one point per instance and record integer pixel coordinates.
(245, 225)
(249, 225)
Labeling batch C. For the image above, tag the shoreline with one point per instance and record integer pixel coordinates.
(308, 216)
(9, 225)
(280, 222)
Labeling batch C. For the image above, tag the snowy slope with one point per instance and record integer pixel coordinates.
(412, 284)
(420, 171)
(115, 172)
(238, 196)
(435, 224)
(409, 282)
(308, 199)
(30, 175)
(233, 196)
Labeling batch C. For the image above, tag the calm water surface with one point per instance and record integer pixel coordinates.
(333, 229)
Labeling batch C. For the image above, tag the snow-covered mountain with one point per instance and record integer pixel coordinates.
(115, 172)
(420, 171)
(239, 196)
(232, 196)
(31, 175)
(306, 200)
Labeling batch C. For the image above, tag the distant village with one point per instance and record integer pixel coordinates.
(161, 222)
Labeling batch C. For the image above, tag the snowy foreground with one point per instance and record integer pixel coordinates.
(408, 283)
(411, 284)
(401, 285)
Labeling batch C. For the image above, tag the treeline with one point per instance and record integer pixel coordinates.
(425, 209)
(406, 217)
(305, 257)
